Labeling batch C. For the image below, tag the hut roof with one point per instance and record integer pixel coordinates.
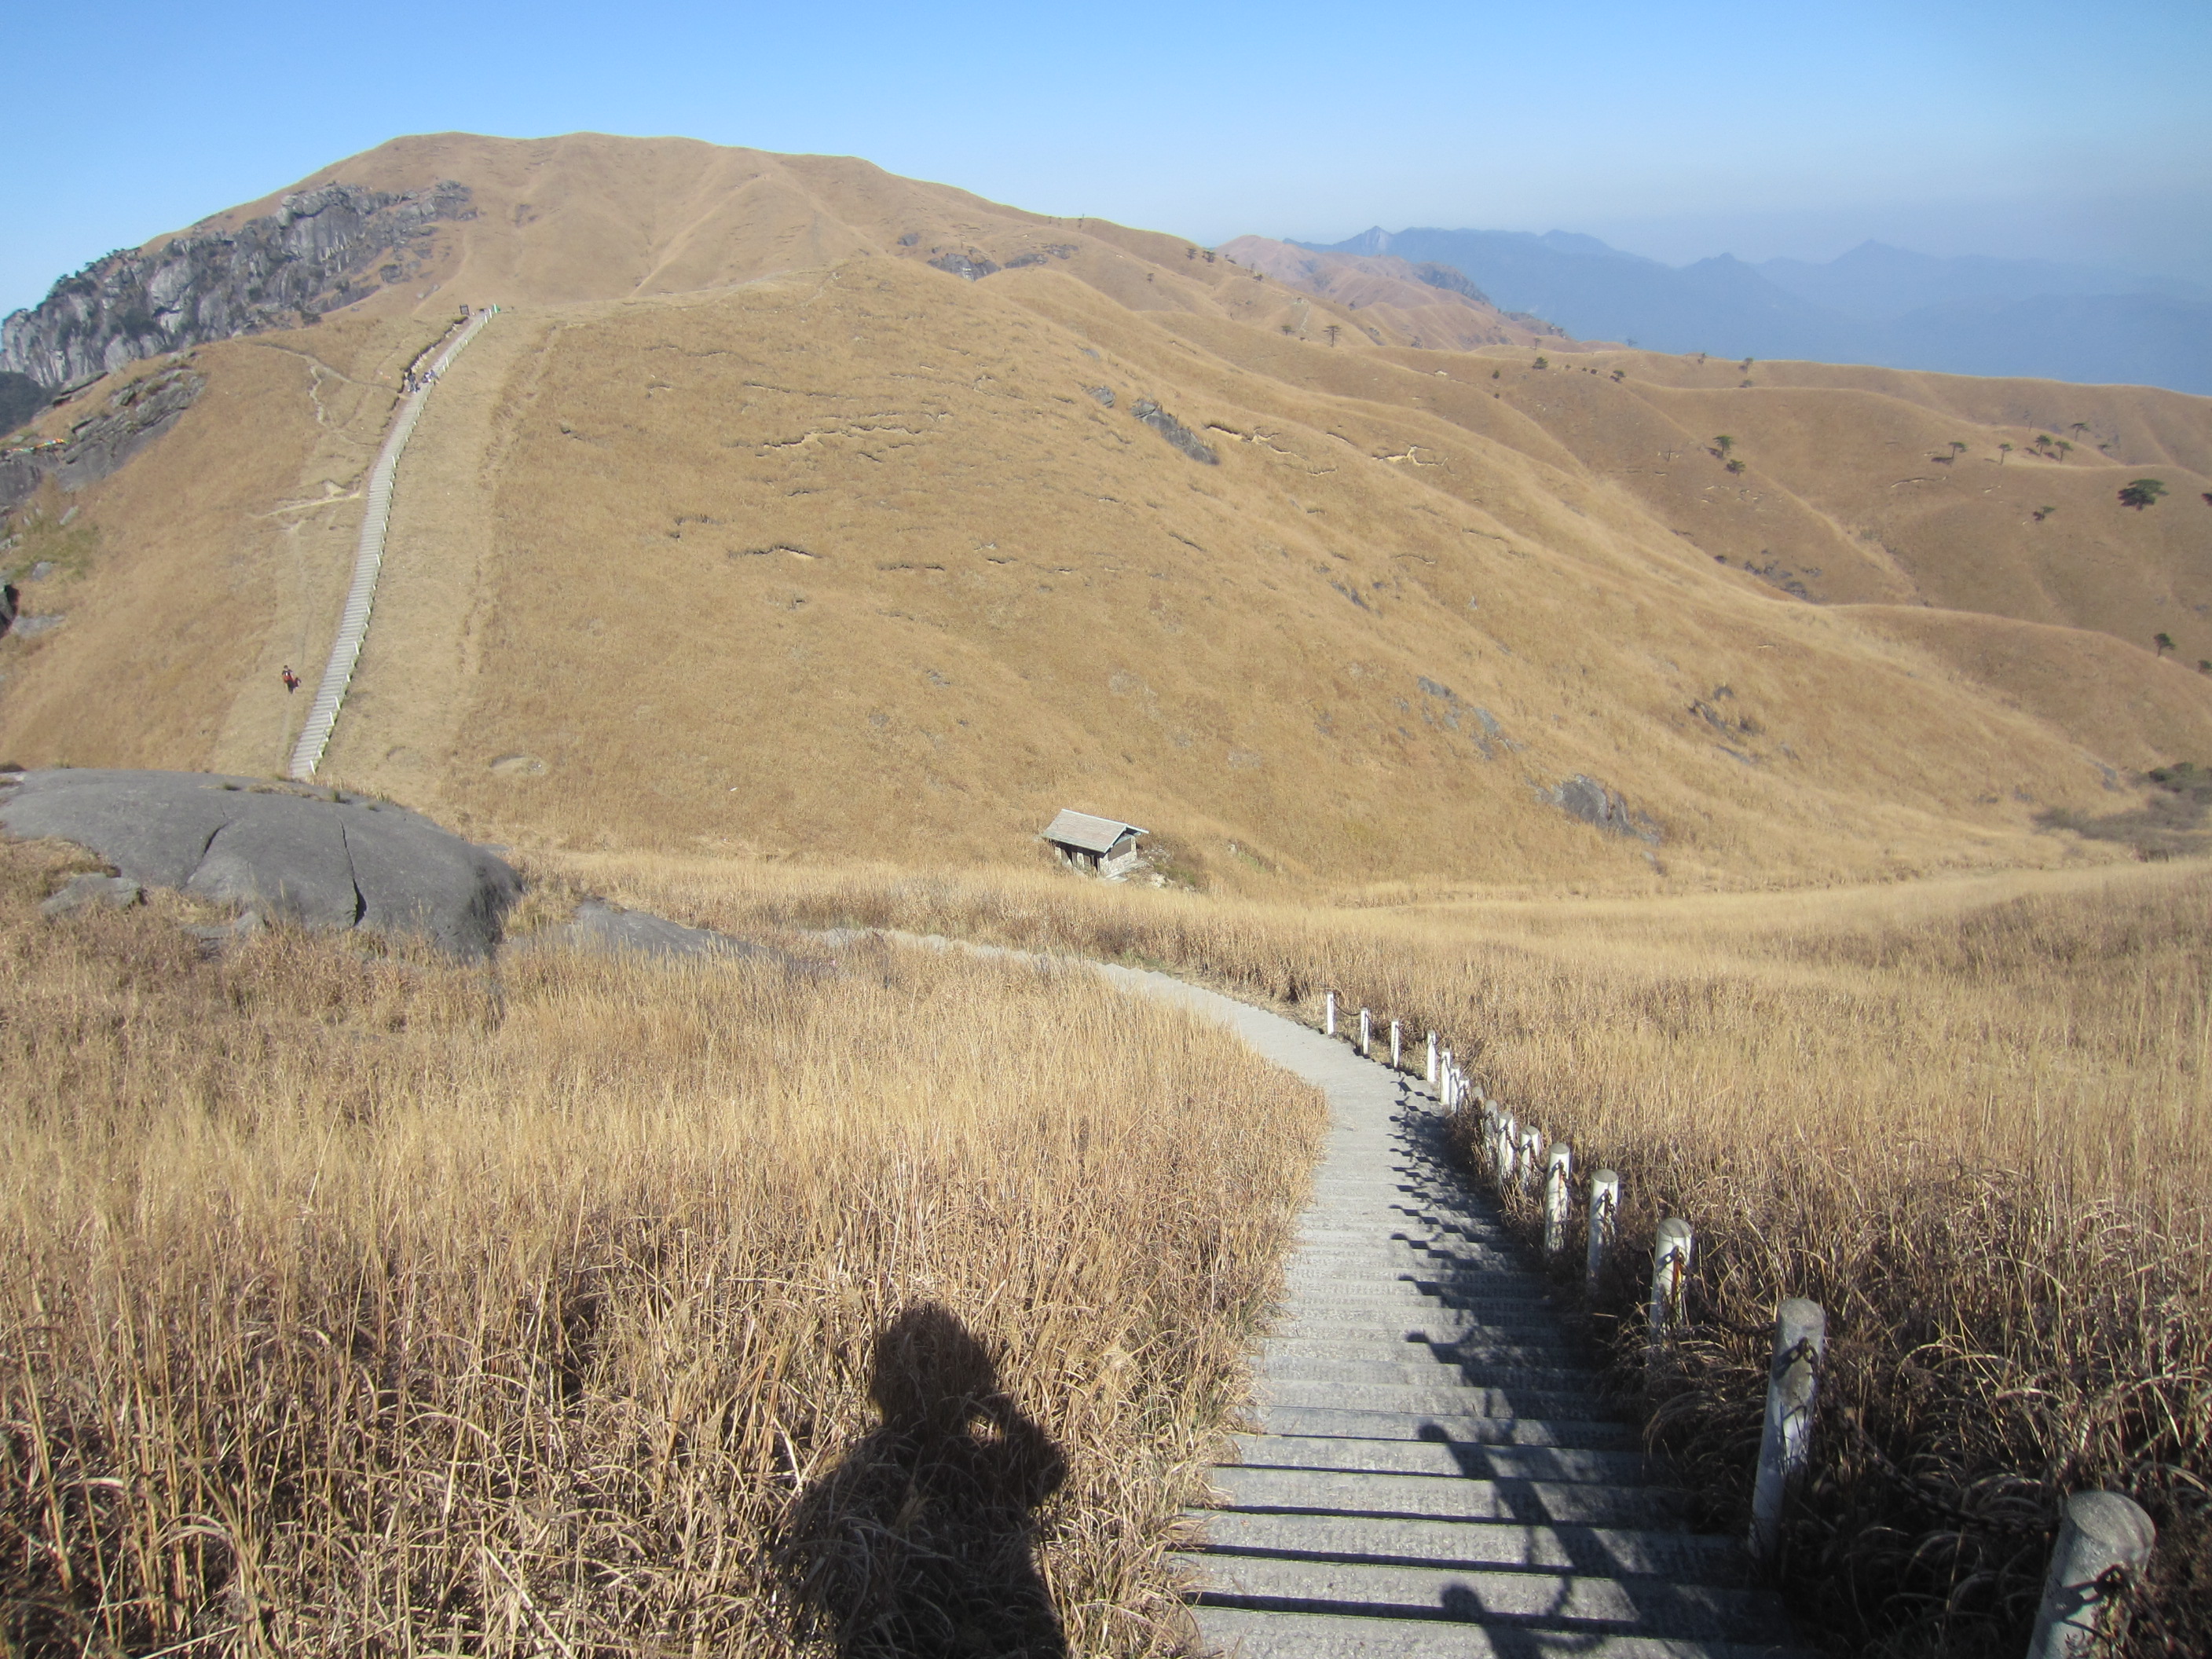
(1073, 828)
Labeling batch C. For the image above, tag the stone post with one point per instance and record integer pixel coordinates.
(2103, 1547)
(1604, 1217)
(1670, 1267)
(1556, 1199)
(1800, 1337)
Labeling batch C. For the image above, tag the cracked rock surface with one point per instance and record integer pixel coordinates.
(320, 857)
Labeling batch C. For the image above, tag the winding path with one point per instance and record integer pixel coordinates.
(1437, 1472)
(369, 559)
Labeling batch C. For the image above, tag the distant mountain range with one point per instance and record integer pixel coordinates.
(1876, 304)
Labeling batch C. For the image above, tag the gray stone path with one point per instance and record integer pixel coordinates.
(1437, 1472)
(367, 560)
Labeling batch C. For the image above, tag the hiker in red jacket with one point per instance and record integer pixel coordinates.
(291, 680)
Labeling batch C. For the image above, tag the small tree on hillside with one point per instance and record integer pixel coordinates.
(2141, 493)
(2163, 641)
(2203, 667)
(2042, 512)
(1722, 445)
(2003, 450)
(1332, 330)
(1542, 362)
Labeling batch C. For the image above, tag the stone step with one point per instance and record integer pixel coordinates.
(1385, 1296)
(1424, 1315)
(1440, 1397)
(1426, 1374)
(1439, 1456)
(1428, 1541)
(1252, 1633)
(1450, 1497)
(1448, 1428)
(1564, 1601)
(1527, 1350)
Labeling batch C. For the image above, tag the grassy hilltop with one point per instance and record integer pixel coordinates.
(750, 530)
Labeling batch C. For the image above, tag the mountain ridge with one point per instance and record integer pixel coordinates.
(1876, 305)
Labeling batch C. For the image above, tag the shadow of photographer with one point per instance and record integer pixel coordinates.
(920, 1545)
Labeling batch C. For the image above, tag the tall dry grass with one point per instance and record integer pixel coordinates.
(1971, 1118)
(360, 1302)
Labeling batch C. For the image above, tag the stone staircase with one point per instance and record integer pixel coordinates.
(314, 735)
(1437, 1470)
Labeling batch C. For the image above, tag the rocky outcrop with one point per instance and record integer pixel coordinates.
(1445, 276)
(21, 397)
(1601, 808)
(319, 857)
(322, 249)
(1174, 431)
(129, 419)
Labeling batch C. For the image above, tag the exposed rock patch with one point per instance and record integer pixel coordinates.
(1173, 430)
(114, 892)
(21, 397)
(131, 417)
(319, 857)
(971, 265)
(322, 249)
(1601, 808)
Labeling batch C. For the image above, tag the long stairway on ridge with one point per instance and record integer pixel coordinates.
(1438, 1472)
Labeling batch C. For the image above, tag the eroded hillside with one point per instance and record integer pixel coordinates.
(767, 519)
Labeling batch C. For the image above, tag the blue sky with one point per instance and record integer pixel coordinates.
(2075, 130)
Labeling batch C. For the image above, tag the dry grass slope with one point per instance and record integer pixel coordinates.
(368, 1304)
(1972, 1118)
(747, 529)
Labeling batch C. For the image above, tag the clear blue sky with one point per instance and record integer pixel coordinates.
(2074, 130)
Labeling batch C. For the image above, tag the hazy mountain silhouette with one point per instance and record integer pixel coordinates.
(1875, 304)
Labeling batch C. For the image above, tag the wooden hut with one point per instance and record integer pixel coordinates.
(1103, 846)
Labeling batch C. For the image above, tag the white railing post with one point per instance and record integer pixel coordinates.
(1397, 1046)
(1800, 1337)
(1429, 1074)
(2103, 1547)
(1604, 1217)
(1671, 1268)
(1329, 1017)
(1508, 1138)
(1366, 1035)
(1556, 1199)
(1532, 1153)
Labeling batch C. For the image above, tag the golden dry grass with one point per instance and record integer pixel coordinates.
(360, 1302)
(1973, 1118)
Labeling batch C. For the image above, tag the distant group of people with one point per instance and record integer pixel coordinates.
(410, 381)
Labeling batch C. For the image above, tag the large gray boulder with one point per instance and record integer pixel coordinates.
(320, 857)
